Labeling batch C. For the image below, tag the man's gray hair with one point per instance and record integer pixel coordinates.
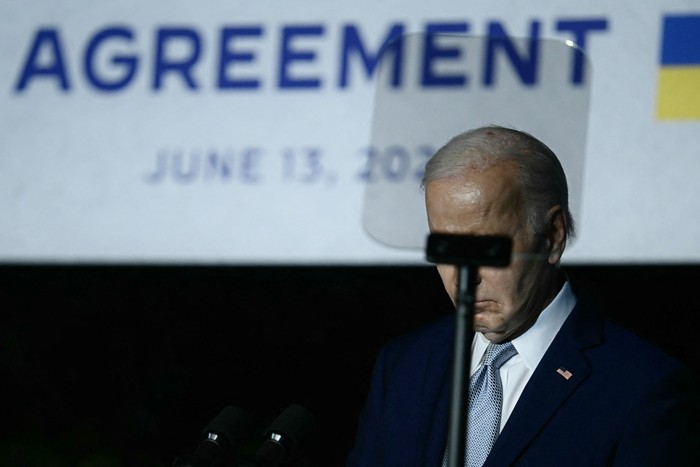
(541, 175)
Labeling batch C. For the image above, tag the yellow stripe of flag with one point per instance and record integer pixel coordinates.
(678, 93)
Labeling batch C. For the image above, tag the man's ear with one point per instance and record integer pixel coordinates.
(556, 234)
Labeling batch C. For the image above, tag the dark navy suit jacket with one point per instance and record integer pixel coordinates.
(626, 403)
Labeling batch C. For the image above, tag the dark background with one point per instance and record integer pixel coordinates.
(125, 365)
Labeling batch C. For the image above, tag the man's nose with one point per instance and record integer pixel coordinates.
(475, 271)
(477, 276)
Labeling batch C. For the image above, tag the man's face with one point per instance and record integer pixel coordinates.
(489, 202)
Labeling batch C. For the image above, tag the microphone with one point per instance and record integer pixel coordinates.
(223, 434)
(284, 436)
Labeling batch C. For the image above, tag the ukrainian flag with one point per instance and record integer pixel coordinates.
(678, 95)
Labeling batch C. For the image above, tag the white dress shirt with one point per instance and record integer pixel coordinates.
(531, 346)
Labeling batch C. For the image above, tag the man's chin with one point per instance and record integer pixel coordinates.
(494, 337)
(488, 332)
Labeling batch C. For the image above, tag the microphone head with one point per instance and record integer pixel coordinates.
(285, 434)
(293, 424)
(232, 426)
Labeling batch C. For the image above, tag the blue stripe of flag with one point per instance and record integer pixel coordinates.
(681, 40)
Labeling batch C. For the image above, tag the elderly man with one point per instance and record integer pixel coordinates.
(568, 387)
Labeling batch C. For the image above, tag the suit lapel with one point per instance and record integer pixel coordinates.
(548, 388)
(436, 400)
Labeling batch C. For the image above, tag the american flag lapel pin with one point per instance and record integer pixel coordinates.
(564, 372)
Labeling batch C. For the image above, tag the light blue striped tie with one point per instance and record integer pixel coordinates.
(485, 401)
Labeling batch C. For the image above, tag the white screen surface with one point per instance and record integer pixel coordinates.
(240, 133)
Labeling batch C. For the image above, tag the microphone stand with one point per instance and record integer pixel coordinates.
(467, 253)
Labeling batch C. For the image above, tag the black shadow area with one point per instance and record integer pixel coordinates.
(124, 365)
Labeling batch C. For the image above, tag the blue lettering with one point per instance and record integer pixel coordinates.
(163, 65)
(218, 165)
(111, 60)
(221, 165)
(580, 29)
(228, 57)
(55, 68)
(161, 166)
(127, 62)
(352, 44)
(250, 166)
(189, 166)
(432, 52)
(525, 67)
(184, 172)
(289, 56)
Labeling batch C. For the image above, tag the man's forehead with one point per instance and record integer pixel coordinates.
(497, 179)
(487, 201)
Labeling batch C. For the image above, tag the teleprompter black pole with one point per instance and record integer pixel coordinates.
(461, 363)
(467, 253)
